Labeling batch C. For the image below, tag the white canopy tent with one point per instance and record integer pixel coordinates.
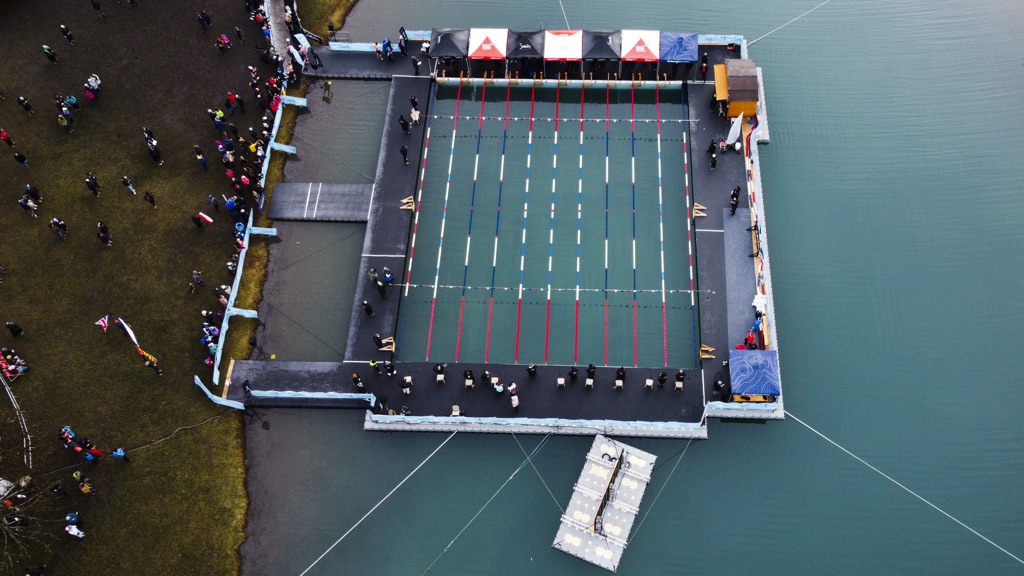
(488, 43)
(641, 45)
(564, 45)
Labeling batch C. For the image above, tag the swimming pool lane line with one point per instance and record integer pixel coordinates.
(551, 229)
(632, 166)
(469, 231)
(691, 236)
(444, 215)
(416, 218)
(526, 201)
(497, 228)
(661, 234)
(608, 115)
(579, 228)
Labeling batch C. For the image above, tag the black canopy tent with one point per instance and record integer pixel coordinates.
(601, 53)
(525, 52)
(449, 46)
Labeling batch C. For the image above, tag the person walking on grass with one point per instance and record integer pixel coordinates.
(59, 228)
(92, 184)
(200, 157)
(33, 193)
(15, 329)
(28, 205)
(128, 184)
(99, 9)
(6, 137)
(67, 34)
(21, 159)
(50, 54)
(25, 105)
(148, 197)
(104, 234)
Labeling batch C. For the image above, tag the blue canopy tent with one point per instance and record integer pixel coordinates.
(678, 48)
(755, 373)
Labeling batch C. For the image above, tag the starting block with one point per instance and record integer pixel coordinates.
(408, 203)
(698, 210)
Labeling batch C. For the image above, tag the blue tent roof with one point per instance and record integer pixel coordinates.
(678, 47)
(755, 372)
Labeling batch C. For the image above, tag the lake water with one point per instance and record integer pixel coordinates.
(892, 188)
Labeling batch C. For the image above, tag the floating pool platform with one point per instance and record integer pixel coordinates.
(605, 503)
(556, 222)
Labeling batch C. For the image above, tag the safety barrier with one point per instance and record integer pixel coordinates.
(230, 310)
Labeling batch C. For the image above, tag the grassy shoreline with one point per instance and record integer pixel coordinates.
(179, 507)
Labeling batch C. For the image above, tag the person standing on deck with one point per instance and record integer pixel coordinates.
(734, 200)
(704, 67)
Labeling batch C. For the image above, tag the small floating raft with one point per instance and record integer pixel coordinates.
(605, 503)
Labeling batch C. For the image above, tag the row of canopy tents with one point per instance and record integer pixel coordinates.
(490, 48)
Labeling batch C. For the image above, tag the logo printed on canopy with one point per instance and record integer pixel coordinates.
(487, 50)
(640, 51)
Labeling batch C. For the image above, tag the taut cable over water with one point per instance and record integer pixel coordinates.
(758, 39)
(377, 505)
(489, 500)
(915, 494)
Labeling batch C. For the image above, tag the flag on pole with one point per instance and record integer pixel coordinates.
(127, 330)
(102, 323)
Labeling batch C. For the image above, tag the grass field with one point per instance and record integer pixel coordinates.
(179, 506)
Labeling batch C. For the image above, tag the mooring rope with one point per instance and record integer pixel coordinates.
(567, 27)
(756, 40)
(493, 496)
(911, 492)
(562, 510)
(377, 505)
(662, 489)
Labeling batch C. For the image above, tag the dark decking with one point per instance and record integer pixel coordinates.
(358, 65)
(387, 229)
(284, 384)
(320, 201)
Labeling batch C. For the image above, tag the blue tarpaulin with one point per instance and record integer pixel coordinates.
(755, 372)
(678, 47)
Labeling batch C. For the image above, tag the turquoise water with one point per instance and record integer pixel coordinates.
(892, 188)
(566, 219)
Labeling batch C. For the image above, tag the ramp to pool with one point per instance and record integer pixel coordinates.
(321, 202)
